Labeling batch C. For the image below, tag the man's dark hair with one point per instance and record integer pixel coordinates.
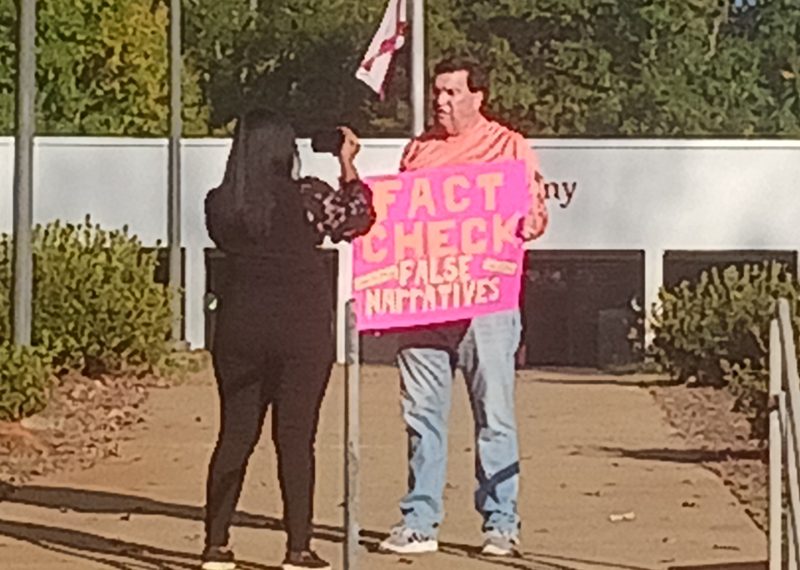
(477, 78)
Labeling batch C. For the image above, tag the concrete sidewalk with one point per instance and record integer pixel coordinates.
(593, 448)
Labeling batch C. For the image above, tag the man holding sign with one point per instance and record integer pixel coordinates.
(447, 251)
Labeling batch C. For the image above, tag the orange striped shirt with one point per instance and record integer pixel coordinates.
(488, 141)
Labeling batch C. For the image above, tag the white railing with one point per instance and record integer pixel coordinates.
(784, 429)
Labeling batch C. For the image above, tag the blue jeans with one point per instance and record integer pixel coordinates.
(486, 358)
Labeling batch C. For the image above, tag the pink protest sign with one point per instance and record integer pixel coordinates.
(444, 246)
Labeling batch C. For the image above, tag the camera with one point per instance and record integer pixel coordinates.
(328, 141)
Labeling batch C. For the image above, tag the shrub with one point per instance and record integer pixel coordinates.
(96, 308)
(749, 382)
(25, 379)
(716, 332)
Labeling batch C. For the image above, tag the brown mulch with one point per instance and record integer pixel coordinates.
(84, 422)
(86, 419)
(706, 420)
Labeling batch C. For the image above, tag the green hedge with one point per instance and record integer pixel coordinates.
(716, 332)
(25, 379)
(97, 308)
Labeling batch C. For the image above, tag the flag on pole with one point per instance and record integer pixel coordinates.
(389, 38)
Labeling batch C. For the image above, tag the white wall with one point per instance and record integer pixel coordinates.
(629, 194)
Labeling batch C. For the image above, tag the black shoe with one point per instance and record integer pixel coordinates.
(218, 558)
(304, 560)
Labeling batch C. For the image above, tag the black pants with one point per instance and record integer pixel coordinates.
(277, 354)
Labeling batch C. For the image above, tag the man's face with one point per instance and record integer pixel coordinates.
(454, 105)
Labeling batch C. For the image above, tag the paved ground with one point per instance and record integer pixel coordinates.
(592, 446)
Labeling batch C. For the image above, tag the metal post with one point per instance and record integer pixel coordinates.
(418, 65)
(791, 375)
(22, 304)
(174, 182)
(775, 449)
(787, 336)
(792, 378)
(792, 481)
(352, 435)
(784, 417)
(794, 496)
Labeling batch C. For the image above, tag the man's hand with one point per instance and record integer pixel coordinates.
(532, 227)
(535, 222)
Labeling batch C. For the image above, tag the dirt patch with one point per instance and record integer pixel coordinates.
(84, 422)
(720, 440)
(86, 419)
(144, 509)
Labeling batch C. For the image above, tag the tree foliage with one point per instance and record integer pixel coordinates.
(298, 56)
(101, 69)
(631, 67)
(558, 67)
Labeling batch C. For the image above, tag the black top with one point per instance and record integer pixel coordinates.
(304, 212)
(277, 245)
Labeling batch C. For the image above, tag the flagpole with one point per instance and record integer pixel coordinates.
(418, 65)
(174, 170)
(22, 296)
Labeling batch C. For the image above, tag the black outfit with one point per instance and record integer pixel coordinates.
(274, 342)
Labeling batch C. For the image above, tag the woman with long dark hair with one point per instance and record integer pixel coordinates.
(273, 346)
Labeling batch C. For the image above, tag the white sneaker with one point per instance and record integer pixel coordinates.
(497, 543)
(404, 540)
(211, 565)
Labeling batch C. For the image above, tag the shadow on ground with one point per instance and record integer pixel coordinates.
(687, 455)
(110, 552)
(127, 555)
(632, 381)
